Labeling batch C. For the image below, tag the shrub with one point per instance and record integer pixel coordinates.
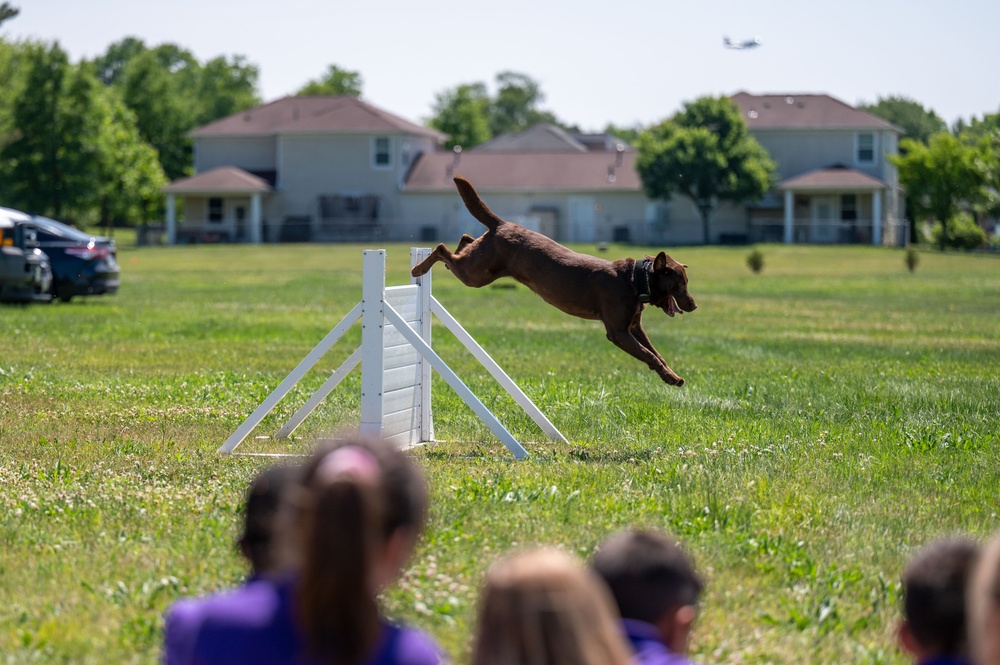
(756, 260)
(963, 233)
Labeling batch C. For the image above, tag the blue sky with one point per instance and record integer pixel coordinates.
(628, 61)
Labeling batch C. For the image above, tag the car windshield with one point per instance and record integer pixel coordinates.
(60, 229)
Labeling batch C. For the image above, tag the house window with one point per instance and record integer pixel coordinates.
(381, 152)
(849, 207)
(215, 210)
(866, 148)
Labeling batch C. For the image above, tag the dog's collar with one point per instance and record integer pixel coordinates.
(640, 277)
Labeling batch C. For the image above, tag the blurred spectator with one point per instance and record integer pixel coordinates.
(984, 606)
(350, 526)
(656, 589)
(260, 514)
(934, 629)
(543, 607)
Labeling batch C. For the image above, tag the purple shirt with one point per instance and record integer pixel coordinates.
(647, 647)
(253, 625)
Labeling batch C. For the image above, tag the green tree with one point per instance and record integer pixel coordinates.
(110, 67)
(163, 112)
(916, 122)
(515, 106)
(942, 178)
(7, 12)
(226, 87)
(461, 113)
(336, 81)
(131, 178)
(706, 153)
(33, 178)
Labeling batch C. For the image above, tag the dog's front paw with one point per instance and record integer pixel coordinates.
(672, 379)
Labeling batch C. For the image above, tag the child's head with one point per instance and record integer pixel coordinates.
(652, 580)
(359, 513)
(934, 583)
(984, 606)
(546, 608)
(260, 511)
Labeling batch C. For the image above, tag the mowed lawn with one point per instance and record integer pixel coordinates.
(839, 412)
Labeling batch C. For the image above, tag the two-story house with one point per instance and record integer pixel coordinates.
(837, 184)
(299, 168)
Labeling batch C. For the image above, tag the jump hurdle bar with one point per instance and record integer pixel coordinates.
(396, 360)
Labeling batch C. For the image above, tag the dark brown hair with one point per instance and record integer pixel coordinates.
(934, 585)
(260, 514)
(357, 494)
(648, 573)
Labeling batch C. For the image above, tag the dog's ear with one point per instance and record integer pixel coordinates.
(660, 262)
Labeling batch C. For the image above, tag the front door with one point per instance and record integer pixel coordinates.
(582, 219)
(825, 219)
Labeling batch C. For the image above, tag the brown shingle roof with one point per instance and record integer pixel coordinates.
(542, 137)
(802, 111)
(332, 114)
(834, 177)
(225, 179)
(535, 171)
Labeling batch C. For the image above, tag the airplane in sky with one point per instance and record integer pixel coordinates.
(745, 44)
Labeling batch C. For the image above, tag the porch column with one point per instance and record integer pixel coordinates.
(255, 219)
(789, 216)
(877, 217)
(171, 220)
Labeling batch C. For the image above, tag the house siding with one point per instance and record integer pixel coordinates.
(248, 153)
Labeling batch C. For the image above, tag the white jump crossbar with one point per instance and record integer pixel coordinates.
(396, 360)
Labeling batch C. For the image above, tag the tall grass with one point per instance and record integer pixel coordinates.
(839, 412)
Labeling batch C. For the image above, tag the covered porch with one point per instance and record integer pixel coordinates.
(833, 205)
(221, 205)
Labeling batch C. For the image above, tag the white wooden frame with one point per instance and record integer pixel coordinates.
(396, 361)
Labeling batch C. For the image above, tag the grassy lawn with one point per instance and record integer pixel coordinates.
(839, 412)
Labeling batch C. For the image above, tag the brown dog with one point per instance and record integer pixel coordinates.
(585, 286)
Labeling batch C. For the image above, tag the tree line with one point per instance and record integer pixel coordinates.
(95, 141)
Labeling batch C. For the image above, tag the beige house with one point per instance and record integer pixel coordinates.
(299, 168)
(337, 168)
(837, 183)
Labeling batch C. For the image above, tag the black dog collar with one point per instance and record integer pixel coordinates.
(640, 277)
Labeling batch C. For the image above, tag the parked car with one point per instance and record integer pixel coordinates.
(82, 264)
(25, 272)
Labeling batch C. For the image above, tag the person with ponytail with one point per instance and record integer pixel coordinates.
(348, 529)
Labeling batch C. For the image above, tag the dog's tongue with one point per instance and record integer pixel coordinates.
(672, 307)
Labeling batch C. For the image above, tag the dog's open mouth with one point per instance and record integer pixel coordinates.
(672, 307)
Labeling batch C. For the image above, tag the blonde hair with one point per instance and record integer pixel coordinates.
(984, 606)
(544, 607)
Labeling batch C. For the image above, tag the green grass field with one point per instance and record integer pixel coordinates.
(839, 412)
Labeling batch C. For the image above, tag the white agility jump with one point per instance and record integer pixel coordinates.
(396, 361)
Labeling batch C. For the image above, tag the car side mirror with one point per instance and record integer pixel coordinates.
(30, 239)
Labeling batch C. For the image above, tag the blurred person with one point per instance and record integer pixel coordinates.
(543, 607)
(933, 630)
(984, 606)
(655, 586)
(348, 528)
(260, 515)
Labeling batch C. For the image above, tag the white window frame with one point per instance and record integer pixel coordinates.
(857, 147)
(376, 152)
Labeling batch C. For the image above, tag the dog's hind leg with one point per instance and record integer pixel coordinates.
(625, 341)
(439, 253)
(465, 240)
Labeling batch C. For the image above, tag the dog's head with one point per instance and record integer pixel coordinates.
(669, 286)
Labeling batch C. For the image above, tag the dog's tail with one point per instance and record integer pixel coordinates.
(475, 204)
